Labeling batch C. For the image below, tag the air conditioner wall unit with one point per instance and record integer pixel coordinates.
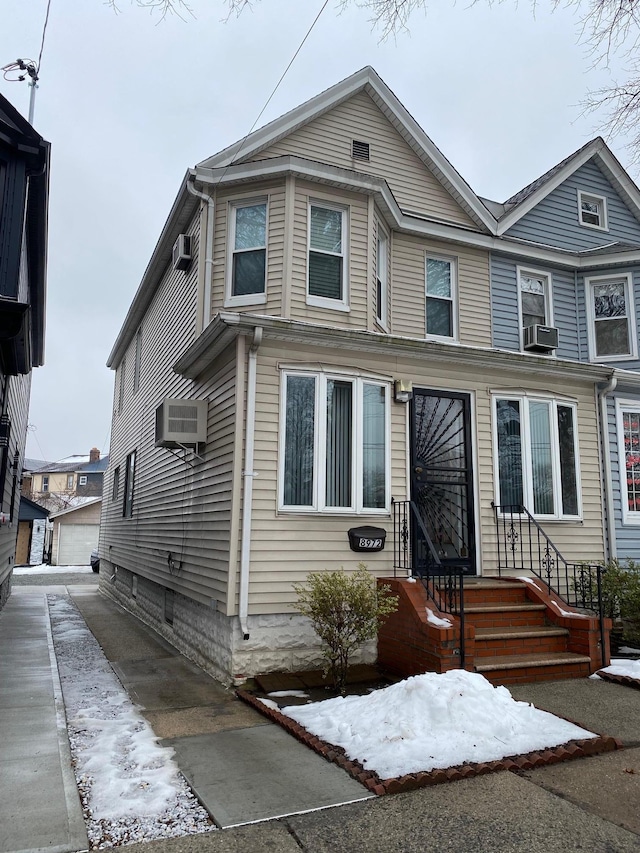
(182, 252)
(181, 423)
(540, 338)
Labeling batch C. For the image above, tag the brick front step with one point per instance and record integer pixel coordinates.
(511, 669)
(505, 615)
(480, 591)
(517, 640)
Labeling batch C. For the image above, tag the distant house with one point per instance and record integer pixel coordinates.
(74, 532)
(54, 483)
(32, 527)
(24, 197)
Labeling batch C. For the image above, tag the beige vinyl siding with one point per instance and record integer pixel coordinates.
(356, 246)
(288, 545)
(328, 139)
(275, 195)
(181, 509)
(408, 288)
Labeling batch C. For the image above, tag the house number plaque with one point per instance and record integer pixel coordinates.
(367, 538)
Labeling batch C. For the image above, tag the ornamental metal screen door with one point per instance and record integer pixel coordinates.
(442, 474)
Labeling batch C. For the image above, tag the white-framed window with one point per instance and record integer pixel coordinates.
(69, 481)
(82, 480)
(612, 327)
(592, 211)
(335, 445)
(115, 488)
(45, 483)
(534, 291)
(123, 373)
(628, 422)
(536, 455)
(382, 277)
(440, 297)
(129, 476)
(247, 256)
(327, 284)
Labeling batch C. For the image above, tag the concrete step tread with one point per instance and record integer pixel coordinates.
(503, 608)
(475, 583)
(514, 631)
(540, 659)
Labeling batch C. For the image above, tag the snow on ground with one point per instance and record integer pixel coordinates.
(45, 569)
(433, 721)
(622, 666)
(130, 787)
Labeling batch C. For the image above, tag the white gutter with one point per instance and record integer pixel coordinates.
(248, 474)
(208, 252)
(610, 544)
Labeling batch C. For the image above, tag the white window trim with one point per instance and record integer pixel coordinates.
(629, 517)
(382, 311)
(527, 481)
(548, 298)
(453, 261)
(82, 480)
(319, 472)
(322, 301)
(631, 317)
(250, 298)
(602, 201)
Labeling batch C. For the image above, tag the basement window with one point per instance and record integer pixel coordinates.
(360, 150)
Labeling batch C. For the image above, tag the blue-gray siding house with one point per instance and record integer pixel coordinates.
(569, 260)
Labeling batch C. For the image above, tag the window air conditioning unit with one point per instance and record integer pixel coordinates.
(182, 252)
(540, 338)
(181, 423)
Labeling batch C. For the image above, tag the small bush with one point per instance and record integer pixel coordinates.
(620, 589)
(345, 611)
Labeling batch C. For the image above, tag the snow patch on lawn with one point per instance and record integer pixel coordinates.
(433, 721)
(622, 666)
(130, 787)
(45, 569)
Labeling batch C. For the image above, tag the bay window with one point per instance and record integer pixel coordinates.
(536, 455)
(327, 285)
(335, 444)
(247, 264)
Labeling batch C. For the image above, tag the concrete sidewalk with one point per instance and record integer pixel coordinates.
(245, 769)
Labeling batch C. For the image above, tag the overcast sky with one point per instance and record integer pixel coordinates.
(129, 102)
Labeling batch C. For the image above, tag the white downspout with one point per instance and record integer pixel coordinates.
(208, 254)
(248, 474)
(610, 545)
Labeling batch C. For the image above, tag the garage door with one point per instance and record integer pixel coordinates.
(76, 542)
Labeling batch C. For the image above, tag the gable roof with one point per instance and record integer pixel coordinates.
(29, 510)
(519, 204)
(74, 505)
(366, 80)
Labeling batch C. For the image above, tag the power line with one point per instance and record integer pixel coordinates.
(44, 32)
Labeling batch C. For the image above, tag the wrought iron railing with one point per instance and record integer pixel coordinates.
(414, 553)
(523, 546)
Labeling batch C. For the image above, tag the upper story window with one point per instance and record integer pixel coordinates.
(115, 488)
(440, 297)
(335, 440)
(82, 480)
(327, 279)
(612, 328)
(69, 481)
(45, 483)
(536, 456)
(129, 475)
(629, 450)
(123, 373)
(138, 360)
(382, 278)
(247, 264)
(592, 210)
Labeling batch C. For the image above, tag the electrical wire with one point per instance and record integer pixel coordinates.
(277, 86)
(44, 32)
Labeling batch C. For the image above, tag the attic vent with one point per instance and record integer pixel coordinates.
(359, 150)
(181, 422)
(182, 252)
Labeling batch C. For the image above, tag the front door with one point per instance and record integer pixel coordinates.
(442, 473)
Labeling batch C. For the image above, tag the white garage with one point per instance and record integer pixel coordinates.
(75, 534)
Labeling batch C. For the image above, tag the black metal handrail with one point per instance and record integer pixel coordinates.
(524, 546)
(415, 552)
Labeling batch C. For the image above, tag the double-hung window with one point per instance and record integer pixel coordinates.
(327, 276)
(45, 483)
(536, 456)
(382, 277)
(247, 264)
(129, 475)
(535, 302)
(629, 455)
(440, 275)
(592, 211)
(335, 443)
(612, 327)
(70, 481)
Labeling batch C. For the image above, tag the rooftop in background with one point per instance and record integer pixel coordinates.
(91, 464)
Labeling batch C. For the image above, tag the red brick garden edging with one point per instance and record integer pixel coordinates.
(627, 680)
(413, 781)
